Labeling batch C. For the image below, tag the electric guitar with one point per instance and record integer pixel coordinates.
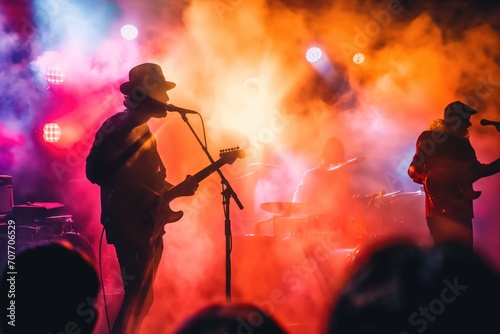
(154, 207)
(444, 191)
(449, 188)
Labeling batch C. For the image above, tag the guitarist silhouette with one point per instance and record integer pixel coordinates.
(154, 206)
(446, 164)
(125, 163)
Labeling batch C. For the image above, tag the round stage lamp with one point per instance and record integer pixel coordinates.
(314, 54)
(129, 32)
(51, 132)
(54, 75)
(358, 58)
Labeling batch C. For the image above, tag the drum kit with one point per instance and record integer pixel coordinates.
(388, 209)
(383, 214)
(39, 223)
(41, 230)
(289, 217)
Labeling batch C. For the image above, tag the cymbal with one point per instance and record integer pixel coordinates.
(392, 194)
(243, 176)
(289, 208)
(398, 197)
(400, 194)
(380, 196)
(347, 163)
(257, 168)
(261, 164)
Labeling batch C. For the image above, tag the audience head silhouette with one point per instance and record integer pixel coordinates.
(230, 318)
(403, 288)
(55, 290)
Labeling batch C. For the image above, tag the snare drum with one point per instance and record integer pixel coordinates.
(50, 227)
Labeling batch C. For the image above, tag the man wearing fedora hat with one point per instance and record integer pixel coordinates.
(446, 164)
(125, 163)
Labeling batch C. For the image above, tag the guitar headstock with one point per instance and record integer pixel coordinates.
(229, 155)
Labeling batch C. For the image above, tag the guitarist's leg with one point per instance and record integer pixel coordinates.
(131, 278)
(443, 229)
(157, 253)
(151, 258)
(137, 263)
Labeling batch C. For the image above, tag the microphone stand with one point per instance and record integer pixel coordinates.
(227, 193)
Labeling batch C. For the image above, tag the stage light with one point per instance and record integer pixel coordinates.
(314, 54)
(54, 75)
(129, 32)
(252, 84)
(358, 58)
(51, 132)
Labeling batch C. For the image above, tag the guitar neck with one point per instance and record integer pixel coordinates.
(205, 172)
(227, 156)
(194, 179)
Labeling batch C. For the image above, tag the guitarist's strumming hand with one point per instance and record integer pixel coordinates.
(154, 205)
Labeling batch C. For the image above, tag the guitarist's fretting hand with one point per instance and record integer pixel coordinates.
(191, 186)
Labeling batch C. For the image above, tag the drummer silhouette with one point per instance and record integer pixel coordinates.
(327, 186)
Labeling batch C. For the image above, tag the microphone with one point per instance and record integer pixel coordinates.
(182, 111)
(485, 122)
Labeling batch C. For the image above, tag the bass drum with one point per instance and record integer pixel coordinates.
(13, 240)
(286, 227)
(76, 241)
(321, 223)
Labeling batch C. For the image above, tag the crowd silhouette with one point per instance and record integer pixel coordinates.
(394, 286)
(401, 287)
(52, 288)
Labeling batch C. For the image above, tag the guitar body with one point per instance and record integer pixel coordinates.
(142, 211)
(448, 190)
(161, 215)
(142, 216)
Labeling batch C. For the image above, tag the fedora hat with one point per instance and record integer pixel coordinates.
(458, 108)
(146, 77)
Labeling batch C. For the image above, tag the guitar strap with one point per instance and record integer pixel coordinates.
(127, 154)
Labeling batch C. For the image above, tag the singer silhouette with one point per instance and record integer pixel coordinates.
(125, 163)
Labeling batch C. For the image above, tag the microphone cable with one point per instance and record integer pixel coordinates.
(102, 282)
